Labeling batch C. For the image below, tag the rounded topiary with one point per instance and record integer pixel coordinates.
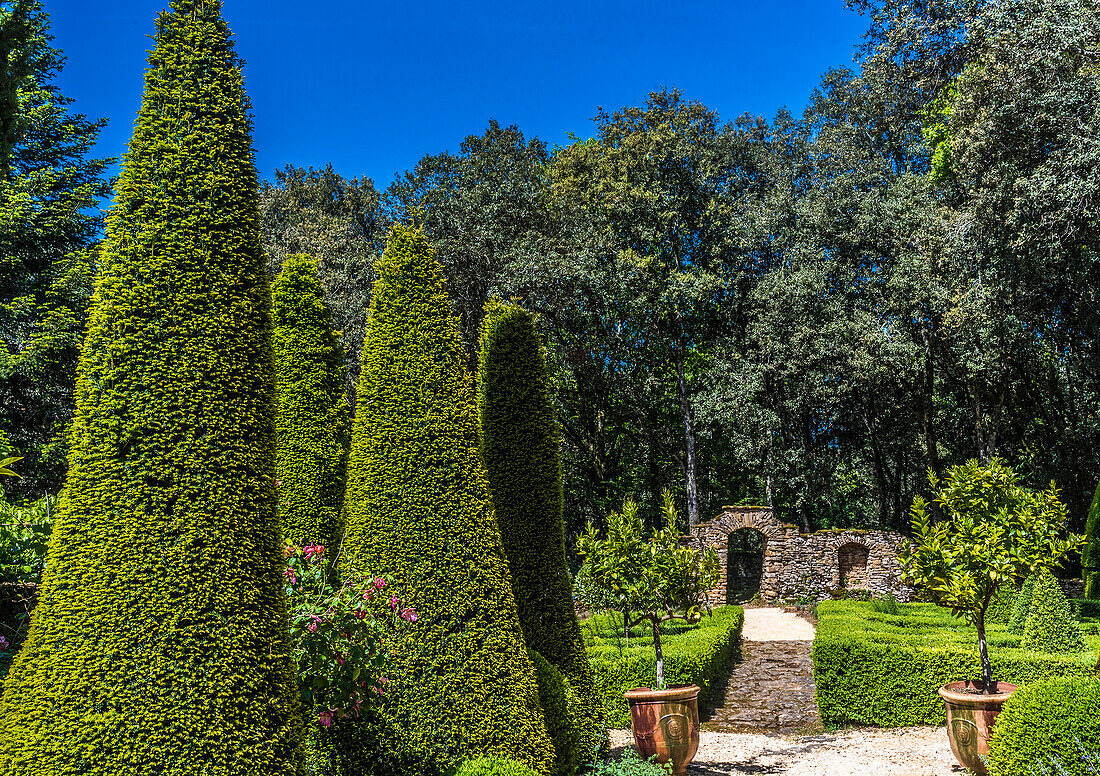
(1044, 723)
(160, 641)
(312, 424)
(417, 508)
(494, 766)
(520, 443)
(1090, 555)
(1022, 605)
(1050, 625)
(1003, 604)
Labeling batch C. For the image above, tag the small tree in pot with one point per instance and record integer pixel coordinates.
(653, 582)
(991, 530)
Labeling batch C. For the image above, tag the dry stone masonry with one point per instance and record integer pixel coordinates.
(797, 565)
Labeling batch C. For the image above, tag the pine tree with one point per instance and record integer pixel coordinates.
(49, 219)
(418, 508)
(1050, 625)
(312, 424)
(160, 642)
(520, 443)
(1090, 556)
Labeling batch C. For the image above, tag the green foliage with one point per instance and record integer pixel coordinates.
(1060, 717)
(312, 423)
(993, 532)
(656, 580)
(160, 640)
(1085, 607)
(1050, 625)
(49, 218)
(24, 534)
(418, 510)
(631, 764)
(1002, 605)
(887, 604)
(693, 654)
(1022, 606)
(1090, 555)
(520, 446)
(494, 766)
(877, 669)
(576, 739)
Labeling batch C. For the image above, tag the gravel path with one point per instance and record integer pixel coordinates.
(771, 693)
(917, 751)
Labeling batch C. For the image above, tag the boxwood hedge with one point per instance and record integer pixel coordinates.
(877, 669)
(693, 655)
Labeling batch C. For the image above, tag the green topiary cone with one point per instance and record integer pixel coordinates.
(312, 423)
(1090, 555)
(160, 642)
(460, 682)
(1022, 605)
(1050, 625)
(521, 447)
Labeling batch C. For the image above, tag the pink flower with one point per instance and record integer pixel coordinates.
(368, 595)
(359, 613)
(379, 583)
(3, 644)
(313, 551)
(314, 621)
(289, 574)
(325, 718)
(408, 615)
(278, 483)
(393, 602)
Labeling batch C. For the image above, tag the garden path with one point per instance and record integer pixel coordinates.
(767, 720)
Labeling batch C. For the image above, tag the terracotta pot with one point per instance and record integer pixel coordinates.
(970, 718)
(666, 724)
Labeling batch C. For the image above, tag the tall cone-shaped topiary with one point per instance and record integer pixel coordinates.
(1090, 555)
(160, 643)
(312, 420)
(521, 447)
(417, 508)
(1022, 606)
(1050, 624)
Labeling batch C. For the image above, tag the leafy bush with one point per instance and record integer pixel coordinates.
(877, 669)
(1050, 625)
(520, 444)
(24, 536)
(418, 510)
(693, 654)
(1057, 717)
(1003, 603)
(631, 764)
(1022, 605)
(494, 766)
(886, 604)
(1084, 607)
(160, 640)
(312, 418)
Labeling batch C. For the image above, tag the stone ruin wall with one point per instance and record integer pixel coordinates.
(816, 565)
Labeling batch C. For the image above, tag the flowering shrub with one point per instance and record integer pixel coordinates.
(336, 633)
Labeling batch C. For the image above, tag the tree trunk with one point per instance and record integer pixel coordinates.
(660, 655)
(983, 653)
(928, 410)
(689, 440)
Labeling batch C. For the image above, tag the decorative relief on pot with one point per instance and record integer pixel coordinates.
(965, 732)
(676, 727)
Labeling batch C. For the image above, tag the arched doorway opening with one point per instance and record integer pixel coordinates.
(852, 560)
(744, 564)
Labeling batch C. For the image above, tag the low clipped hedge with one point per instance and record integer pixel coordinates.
(1047, 724)
(494, 766)
(876, 669)
(694, 654)
(1085, 607)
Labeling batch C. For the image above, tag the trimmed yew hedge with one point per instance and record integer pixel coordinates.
(694, 654)
(876, 669)
(520, 443)
(312, 418)
(160, 640)
(417, 506)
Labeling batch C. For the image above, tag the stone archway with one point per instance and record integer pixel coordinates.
(851, 561)
(745, 549)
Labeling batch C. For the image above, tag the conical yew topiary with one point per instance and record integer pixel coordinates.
(160, 643)
(312, 423)
(521, 447)
(1022, 606)
(1050, 625)
(417, 508)
(1090, 555)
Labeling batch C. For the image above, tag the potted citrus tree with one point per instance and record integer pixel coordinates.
(653, 581)
(990, 530)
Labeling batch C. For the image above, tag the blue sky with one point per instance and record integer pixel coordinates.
(372, 87)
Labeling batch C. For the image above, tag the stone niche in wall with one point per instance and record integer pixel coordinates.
(795, 565)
